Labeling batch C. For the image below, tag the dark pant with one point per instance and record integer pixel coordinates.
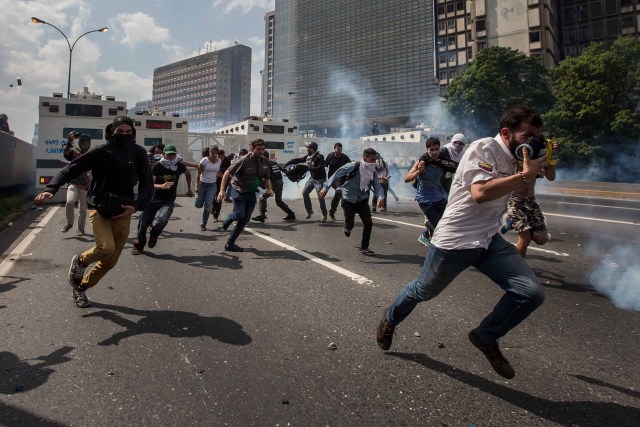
(163, 211)
(276, 186)
(337, 196)
(361, 208)
(385, 187)
(243, 205)
(217, 206)
(433, 212)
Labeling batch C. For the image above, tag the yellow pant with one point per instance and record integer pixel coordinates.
(110, 239)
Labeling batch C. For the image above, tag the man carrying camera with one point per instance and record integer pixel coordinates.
(111, 200)
(77, 189)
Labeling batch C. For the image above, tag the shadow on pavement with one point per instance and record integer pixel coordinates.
(208, 261)
(19, 376)
(629, 392)
(13, 416)
(11, 284)
(569, 413)
(398, 259)
(556, 281)
(171, 323)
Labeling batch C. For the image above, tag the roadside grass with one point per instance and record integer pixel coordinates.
(11, 204)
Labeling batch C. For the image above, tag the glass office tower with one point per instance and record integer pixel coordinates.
(341, 65)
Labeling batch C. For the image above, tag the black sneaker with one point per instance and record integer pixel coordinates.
(332, 215)
(384, 335)
(80, 298)
(66, 227)
(137, 248)
(373, 208)
(347, 232)
(492, 352)
(259, 218)
(76, 271)
(232, 247)
(203, 227)
(289, 218)
(367, 252)
(225, 225)
(153, 239)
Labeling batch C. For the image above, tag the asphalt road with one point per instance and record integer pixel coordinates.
(189, 335)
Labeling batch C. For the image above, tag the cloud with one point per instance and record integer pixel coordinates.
(246, 5)
(124, 85)
(138, 27)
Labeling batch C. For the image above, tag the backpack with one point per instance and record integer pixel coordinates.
(350, 175)
(296, 172)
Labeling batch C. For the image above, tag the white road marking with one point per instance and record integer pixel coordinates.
(11, 259)
(533, 248)
(398, 222)
(353, 276)
(592, 219)
(599, 206)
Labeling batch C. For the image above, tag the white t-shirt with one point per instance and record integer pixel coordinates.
(208, 175)
(465, 223)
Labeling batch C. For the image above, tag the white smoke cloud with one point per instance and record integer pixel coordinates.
(361, 93)
(246, 5)
(618, 277)
(134, 28)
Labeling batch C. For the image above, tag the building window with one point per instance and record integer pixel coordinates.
(451, 57)
(597, 30)
(534, 36)
(451, 24)
(443, 75)
(441, 42)
(441, 9)
(570, 35)
(627, 22)
(611, 7)
(453, 74)
(624, 3)
(596, 9)
(451, 7)
(583, 33)
(441, 26)
(612, 28)
(469, 37)
(568, 15)
(482, 45)
(469, 53)
(480, 25)
(443, 58)
(570, 50)
(582, 12)
(460, 6)
(451, 41)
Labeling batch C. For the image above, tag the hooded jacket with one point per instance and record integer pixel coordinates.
(114, 170)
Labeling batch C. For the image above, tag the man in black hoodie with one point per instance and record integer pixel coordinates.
(315, 163)
(115, 166)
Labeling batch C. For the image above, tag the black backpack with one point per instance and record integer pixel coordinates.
(347, 177)
(296, 172)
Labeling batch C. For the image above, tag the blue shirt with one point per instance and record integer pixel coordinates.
(351, 189)
(429, 188)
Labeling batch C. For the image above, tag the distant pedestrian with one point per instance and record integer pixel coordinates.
(452, 152)
(166, 173)
(77, 189)
(277, 185)
(111, 200)
(206, 187)
(334, 161)
(224, 165)
(467, 237)
(355, 179)
(384, 174)
(245, 174)
(315, 163)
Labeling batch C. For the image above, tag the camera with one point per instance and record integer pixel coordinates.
(536, 146)
(76, 134)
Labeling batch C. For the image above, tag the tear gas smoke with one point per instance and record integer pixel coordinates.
(618, 277)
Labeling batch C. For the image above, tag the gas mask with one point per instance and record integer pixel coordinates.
(535, 146)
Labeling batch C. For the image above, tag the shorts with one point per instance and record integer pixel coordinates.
(526, 214)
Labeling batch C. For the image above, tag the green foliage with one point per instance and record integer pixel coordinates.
(597, 99)
(11, 204)
(497, 79)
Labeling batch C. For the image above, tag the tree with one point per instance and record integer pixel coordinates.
(598, 96)
(498, 79)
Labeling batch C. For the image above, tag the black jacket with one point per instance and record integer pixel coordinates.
(317, 165)
(114, 170)
(334, 163)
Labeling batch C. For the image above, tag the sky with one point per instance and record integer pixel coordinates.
(143, 35)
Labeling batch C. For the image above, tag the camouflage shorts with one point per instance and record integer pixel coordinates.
(526, 214)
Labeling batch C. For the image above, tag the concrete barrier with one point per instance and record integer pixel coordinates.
(17, 164)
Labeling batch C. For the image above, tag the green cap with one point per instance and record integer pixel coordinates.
(169, 149)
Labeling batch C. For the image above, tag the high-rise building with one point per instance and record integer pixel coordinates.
(339, 68)
(583, 22)
(140, 107)
(267, 71)
(211, 90)
(465, 27)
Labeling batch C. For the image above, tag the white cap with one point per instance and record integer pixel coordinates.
(458, 137)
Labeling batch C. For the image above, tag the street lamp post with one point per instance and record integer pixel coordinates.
(71, 46)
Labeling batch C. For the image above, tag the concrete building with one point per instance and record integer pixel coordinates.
(211, 90)
(339, 68)
(267, 71)
(140, 107)
(583, 22)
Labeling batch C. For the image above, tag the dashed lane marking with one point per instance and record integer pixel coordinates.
(11, 259)
(599, 206)
(592, 219)
(353, 276)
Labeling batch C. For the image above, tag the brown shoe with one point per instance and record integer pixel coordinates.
(385, 333)
(492, 352)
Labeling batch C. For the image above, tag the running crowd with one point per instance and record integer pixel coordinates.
(462, 193)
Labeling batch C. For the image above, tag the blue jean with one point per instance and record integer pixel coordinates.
(243, 205)
(433, 211)
(206, 196)
(308, 188)
(162, 212)
(500, 262)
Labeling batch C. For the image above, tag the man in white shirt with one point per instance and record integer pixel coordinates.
(467, 236)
